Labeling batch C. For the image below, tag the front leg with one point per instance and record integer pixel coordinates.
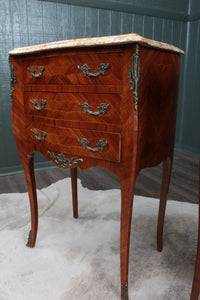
(28, 166)
(127, 192)
(167, 168)
(74, 192)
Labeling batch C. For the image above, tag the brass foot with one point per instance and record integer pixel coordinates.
(126, 292)
(28, 244)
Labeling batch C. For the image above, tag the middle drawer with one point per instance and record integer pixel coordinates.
(86, 143)
(100, 108)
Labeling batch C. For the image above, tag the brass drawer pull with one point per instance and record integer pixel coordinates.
(86, 70)
(100, 146)
(62, 161)
(42, 104)
(40, 71)
(101, 109)
(42, 135)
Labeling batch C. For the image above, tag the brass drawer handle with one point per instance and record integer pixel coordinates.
(101, 109)
(42, 135)
(100, 146)
(40, 71)
(35, 105)
(64, 162)
(86, 70)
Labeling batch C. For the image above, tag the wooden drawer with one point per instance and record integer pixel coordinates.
(83, 143)
(70, 69)
(100, 108)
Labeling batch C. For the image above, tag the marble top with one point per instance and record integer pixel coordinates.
(96, 41)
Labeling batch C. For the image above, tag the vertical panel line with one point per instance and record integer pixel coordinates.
(133, 17)
(143, 22)
(57, 20)
(184, 85)
(110, 22)
(196, 67)
(153, 28)
(27, 23)
(163, 29)
(43, 22)
(11, 22)
(98, 22)
(122, 23)
(172, 32)
(180, 35)
(85, 23)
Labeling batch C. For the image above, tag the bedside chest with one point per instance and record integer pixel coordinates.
(105, 102)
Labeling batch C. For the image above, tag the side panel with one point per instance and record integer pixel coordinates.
(157, 105)
(18, 121)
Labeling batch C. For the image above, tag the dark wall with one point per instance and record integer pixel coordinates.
(188, 137)
(29, 22)
(170, 9)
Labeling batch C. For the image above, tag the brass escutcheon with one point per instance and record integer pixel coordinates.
(42, 135)
(39, 74)
(64, 162)
(35, 104)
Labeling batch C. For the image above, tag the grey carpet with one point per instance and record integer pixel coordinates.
(79, 259)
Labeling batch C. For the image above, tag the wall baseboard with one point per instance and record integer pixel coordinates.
(48, 165)
(18, 169)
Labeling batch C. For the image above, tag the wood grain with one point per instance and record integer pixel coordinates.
(63, 69)
(66, 107)
(67, 140)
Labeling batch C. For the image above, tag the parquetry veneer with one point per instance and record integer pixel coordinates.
(105, 102)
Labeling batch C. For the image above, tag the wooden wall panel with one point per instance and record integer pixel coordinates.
(170, 9)
(29, 22)
(190, 122)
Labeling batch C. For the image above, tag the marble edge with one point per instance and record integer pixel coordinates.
(96, 41)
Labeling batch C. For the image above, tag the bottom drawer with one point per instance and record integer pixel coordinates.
(83, 143)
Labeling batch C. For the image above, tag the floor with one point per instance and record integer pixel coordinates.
(183, 186)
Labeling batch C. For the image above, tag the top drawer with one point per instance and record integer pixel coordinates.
(74, 69)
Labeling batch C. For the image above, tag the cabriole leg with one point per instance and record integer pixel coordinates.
(28, 165)
(167, 168)
(126, 217)
(74, 192)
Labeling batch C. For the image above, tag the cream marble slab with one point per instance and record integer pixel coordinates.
(96, 41)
